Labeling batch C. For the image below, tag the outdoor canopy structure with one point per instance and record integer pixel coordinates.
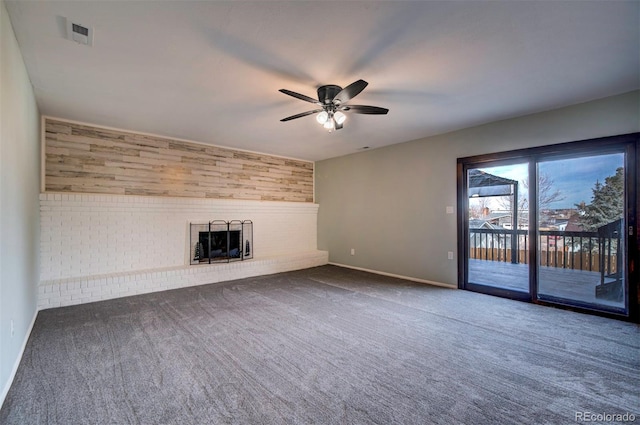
(482, 185)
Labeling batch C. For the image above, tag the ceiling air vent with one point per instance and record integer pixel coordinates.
(79, 33)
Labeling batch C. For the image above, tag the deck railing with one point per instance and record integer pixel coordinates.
(568, 250)
(497, 245)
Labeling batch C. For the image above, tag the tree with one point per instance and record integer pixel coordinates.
(477, 207)
(547, 195)
(607, 203)
(547, 192)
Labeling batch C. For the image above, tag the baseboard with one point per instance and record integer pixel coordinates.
(12, 375)
(413, 279)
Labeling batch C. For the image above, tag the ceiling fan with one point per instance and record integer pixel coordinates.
(332, 99)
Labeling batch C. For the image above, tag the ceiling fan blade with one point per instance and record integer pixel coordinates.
(363, 109)
(349, 92)
(300, 115)
(338, 126)
(300, 96)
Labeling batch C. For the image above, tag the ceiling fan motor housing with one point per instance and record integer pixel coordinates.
(327, 93)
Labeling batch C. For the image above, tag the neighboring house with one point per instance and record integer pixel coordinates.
(573, 224)
(478, 223)
(495, 240)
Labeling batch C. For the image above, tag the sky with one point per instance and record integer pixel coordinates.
(574, 177)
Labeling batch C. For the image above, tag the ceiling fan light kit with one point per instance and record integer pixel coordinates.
(339, 117)
(331, 99)
(322, 117)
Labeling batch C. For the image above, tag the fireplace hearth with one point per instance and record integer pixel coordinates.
(221, 241)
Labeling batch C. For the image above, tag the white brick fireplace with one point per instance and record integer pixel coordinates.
(96, 247)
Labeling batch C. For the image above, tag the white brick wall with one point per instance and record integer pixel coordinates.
(64, 292)
(96, 247)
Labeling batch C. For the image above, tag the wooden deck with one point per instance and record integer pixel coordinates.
(577, 285)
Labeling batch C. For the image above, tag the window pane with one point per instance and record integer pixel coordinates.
(498, 227)
(580, 238)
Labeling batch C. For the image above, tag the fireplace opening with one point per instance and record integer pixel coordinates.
(221, 241)
(220, 245)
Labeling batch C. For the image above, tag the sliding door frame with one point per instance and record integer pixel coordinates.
(463, 207)
(630, 144)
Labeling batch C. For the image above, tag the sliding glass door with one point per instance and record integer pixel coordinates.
(581, 217)
(498, 228)
(552, 225)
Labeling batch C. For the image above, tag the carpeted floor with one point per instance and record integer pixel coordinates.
(322, 346)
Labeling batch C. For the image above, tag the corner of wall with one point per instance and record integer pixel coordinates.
(19, 203)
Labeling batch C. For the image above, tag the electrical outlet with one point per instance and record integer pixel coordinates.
(353, 251)
(450, 255)
(12, 329)
(449, 210)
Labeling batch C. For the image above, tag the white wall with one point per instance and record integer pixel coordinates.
(97, 247)
(84, 235)
(389, 204)
(19, 207)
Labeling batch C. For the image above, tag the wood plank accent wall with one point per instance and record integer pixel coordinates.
(86, 159)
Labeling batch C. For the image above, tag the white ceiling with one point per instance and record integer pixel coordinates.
(210, 71)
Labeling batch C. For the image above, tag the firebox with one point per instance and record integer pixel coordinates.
(220, 244)
(221, 241)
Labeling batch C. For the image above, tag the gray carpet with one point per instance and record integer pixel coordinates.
(322, 346)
